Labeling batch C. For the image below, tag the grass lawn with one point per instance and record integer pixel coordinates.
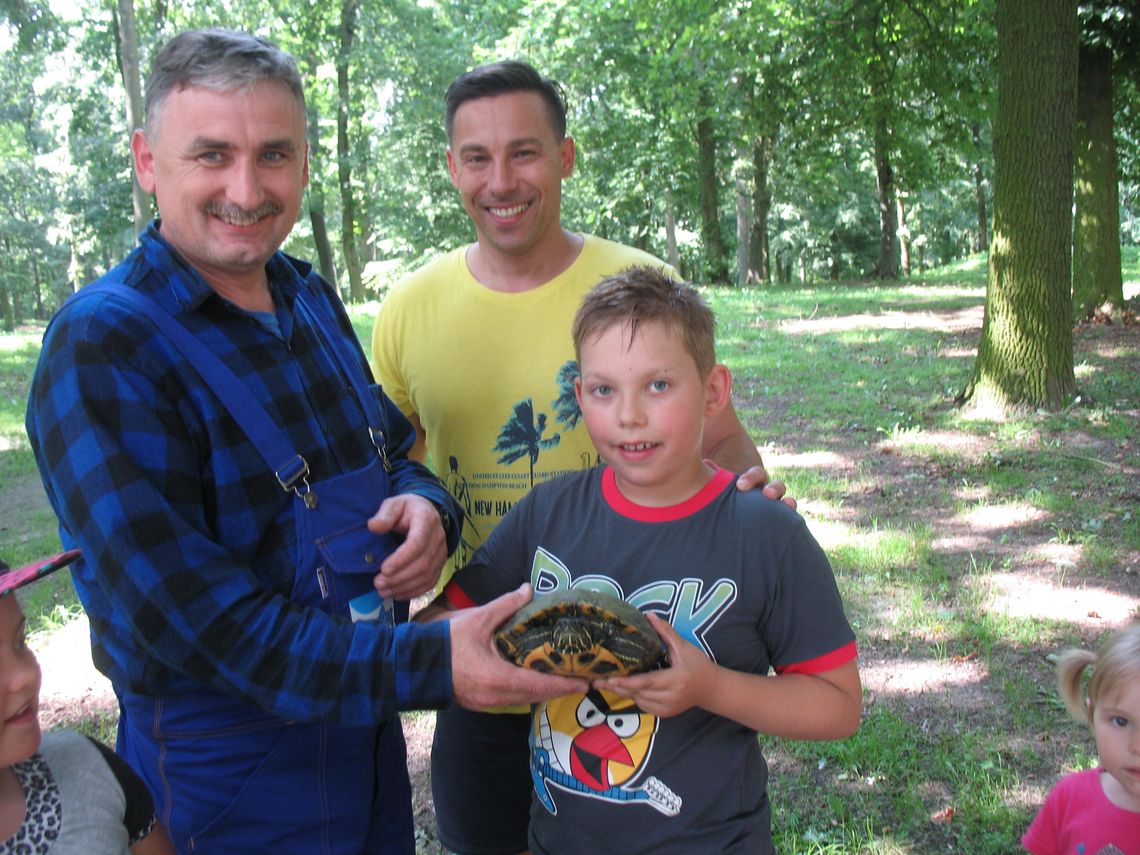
(967, 549)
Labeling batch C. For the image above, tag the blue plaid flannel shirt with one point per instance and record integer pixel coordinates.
(187, 563)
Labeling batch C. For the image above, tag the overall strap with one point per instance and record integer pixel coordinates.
(335, 342)
(275, 449)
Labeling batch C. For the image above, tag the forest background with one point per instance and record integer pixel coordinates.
(855, 182)
(742, 141)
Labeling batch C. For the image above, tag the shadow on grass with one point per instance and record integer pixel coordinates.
(966, 551)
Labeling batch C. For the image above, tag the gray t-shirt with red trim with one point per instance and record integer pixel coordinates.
(736, 574)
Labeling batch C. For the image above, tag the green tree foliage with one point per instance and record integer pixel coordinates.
(900, 82)
(35, 259)
(743, 141)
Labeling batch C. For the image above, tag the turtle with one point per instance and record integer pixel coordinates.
(581, 634)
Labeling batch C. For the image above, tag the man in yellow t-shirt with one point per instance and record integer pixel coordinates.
(475, 349)
(490, 376)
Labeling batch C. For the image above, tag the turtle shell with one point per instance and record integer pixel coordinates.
(581, 634)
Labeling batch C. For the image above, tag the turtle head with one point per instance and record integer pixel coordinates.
(570, 636)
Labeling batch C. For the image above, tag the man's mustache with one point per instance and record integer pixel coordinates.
(239, 216)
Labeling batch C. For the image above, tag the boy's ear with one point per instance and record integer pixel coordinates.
(718, 390)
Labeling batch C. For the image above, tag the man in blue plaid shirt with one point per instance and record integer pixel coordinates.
(209, 435)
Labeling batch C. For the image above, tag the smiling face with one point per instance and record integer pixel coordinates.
(508, 164)
(19, 687)
(644, 403)
(228, 169)
(1116, 726)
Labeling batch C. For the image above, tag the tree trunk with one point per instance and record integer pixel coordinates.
(129, 69)
(983, 241)
(318, 160)
(904, 236)
(1097, 279)
(716, 267)
(326, 262)
(7, 310)
(38, 291)
(743, 231)
(672, 254)
(344, 152)
(888, 226)
(759, 259)
(1025, 356)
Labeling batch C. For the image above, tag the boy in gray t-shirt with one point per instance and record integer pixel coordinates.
(668, 761)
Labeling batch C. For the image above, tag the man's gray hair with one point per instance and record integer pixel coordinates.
(217, 59)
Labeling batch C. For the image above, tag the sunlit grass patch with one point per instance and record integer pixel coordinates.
(881, 551)
(930, 787)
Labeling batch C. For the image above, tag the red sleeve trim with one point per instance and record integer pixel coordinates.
(826, 662)
(456, 597)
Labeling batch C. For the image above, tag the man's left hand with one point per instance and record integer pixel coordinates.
(415, 565)
(757, 476)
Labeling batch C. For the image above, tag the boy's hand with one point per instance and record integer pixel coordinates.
(757, 476)
(672, 690)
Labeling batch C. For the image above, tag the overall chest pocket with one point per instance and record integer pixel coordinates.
(349, 560)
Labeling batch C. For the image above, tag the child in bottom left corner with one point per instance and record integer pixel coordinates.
(61, 793)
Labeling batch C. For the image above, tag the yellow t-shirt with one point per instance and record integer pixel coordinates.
(491, 377)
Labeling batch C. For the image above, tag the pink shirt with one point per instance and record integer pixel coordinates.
(1078, 819)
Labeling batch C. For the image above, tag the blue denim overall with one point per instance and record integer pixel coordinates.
(228, 777)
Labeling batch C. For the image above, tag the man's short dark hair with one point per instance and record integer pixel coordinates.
(218, 59)
(500, 78)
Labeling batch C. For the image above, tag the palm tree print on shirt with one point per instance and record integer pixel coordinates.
(522, 436)
(566, 408)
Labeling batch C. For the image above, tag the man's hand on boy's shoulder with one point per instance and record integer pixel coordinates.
(757, 476)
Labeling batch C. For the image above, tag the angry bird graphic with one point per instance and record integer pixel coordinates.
(596, 745)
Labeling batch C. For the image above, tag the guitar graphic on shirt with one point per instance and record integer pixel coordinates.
(595, 745)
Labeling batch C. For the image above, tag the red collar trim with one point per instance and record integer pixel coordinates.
(713, 488)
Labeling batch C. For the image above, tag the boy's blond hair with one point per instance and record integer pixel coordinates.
(648, 294)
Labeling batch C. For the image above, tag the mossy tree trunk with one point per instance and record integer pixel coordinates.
(759, 259)
(1025, 357)
(1097, 279)
(716, 263)
(888, 266)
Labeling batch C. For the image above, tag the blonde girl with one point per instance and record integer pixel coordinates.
(1097, 811)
